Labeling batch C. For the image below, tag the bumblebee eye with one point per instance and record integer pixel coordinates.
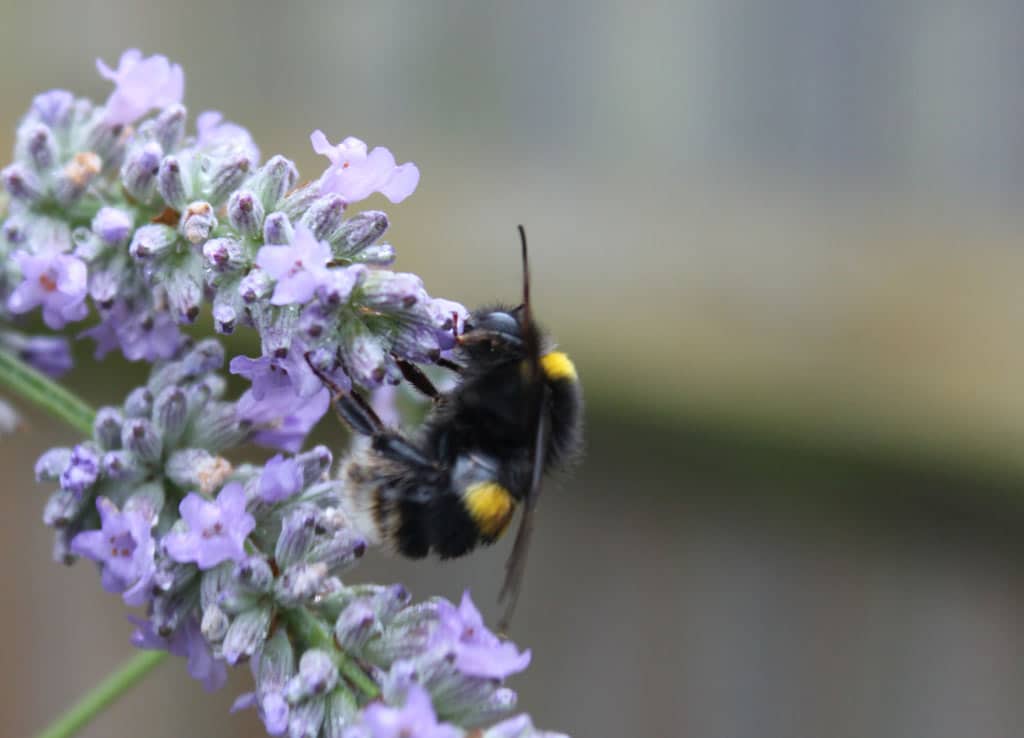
(497, 322)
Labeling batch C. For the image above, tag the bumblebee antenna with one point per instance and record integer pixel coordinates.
(515, 567)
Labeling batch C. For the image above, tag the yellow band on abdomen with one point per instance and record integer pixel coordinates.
(490, 505)
(557, 365)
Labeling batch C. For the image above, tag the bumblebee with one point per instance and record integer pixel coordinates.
(514, 414)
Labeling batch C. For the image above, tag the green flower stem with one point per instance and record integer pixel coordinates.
(95, 700)
(21, 379)
(315, 634)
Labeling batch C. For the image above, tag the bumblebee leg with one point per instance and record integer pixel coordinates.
(415, 376)
(355, 412)
(450, 365)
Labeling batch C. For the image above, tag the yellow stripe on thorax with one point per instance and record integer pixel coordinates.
(557, 366)
(490, 505)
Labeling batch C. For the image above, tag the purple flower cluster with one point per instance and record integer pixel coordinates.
(117, 206)
(117, 209)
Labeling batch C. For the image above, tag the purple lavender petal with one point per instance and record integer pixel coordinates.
(355, 175)
(125, 547)
(141, 85)
(289, 433)
(54, 280)
(112, 225)
(281, 478)
(214, 134)
(478, 652)
(216, 530)
(298, 268)
(414, 719)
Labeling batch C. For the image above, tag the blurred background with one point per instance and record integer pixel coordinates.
(782, 242)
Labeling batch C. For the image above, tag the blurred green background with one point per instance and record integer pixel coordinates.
(781, 240)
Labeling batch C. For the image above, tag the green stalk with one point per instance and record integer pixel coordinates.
(316, 635)
(93, 702)
(29, 384)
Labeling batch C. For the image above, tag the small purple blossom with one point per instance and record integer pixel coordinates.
(54, 280)
(355, 175)
(298, 268)
(49, 354)
(290, 431)
(278, 384)
(125, 547)
(142, 335)
(187, 641)
(112, 225)
(218, 135)
(141, 85)
(216, 530)
(281, 478)
(415, 719)
(82, 471)
(478, 652)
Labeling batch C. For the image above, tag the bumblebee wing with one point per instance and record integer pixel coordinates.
(515, 567)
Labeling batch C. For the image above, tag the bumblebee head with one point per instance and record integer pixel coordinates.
(493, 332)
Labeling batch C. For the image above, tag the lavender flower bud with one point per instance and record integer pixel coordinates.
(21, 183)
(385, 601)
(152, 240)
(38, 146)
(306, 718)
(52, 464)
(494, 706)
(169, 126)
(148, 500)
(170, 183)
(277, 327)
(299, 583)
(197, 221)
(298, 530)
(246, 634)
(141, 438)
(112, 225)
(324, 217)
(300, 200)
(225, 316)
(380, 254)
(365, 358)
(358, 232)
(61, 508)
(273, 180)
(139, 403)
(106, 429)
(217, 426)
(417, 343)
(53, 107)
(225, 254)
(254, 575)
(356, 626)
(170, 414)
(392, 291)
(108, 141)
(82, 471)
(122, 466)
(277, 663)
(317, 675)
(138, 175)
(245, 212)
(226, 175)
(277, 229)
(196, 468)
(313, 323)
(76, 176)
(313, 464)
(214, 624)
(255, 285)
(340, 713)
(340, 550)
(340, 283)
(183, 283)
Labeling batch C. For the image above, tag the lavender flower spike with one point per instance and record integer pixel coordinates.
(355, 175)
(141, 86)
(216, 530)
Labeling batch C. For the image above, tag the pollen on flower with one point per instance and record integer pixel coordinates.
(47, 282)
(82, 168)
